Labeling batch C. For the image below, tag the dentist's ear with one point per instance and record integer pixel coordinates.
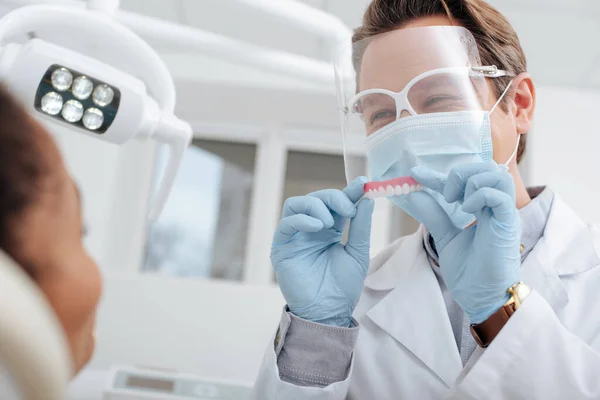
(524, 102)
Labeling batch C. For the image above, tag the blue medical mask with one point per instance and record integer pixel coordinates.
(438, 141)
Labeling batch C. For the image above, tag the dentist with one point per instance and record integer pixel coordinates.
(496, 295)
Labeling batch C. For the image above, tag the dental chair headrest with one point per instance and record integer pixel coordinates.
(33, 347)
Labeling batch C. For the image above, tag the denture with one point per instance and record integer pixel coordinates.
(392, 187)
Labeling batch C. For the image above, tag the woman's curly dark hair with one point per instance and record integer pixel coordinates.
(22, 167)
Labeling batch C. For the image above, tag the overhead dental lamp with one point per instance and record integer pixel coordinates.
(90, 96)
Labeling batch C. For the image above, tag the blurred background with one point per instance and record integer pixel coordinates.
(194, 291)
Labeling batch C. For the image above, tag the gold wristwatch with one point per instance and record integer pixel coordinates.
(486, 331)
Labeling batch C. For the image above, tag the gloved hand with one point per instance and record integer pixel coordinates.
(481, 262)
(321, 278)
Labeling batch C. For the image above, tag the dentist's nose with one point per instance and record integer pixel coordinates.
(404, 114)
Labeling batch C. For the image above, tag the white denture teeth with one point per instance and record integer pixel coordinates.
(389, 190)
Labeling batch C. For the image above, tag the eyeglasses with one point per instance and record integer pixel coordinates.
(448, 89)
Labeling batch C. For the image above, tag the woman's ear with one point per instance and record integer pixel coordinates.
(524, 102)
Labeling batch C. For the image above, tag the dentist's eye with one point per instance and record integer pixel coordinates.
(383, 115)
(433, 100)
(444, 103)
(380, 119)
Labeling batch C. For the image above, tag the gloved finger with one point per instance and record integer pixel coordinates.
(291, 225)
(499, 180)
(336, 201)
(429, 178)
(428, 211)
(359, 235)
(356, 189)
(502, 205)
(459, 176)
(310, 206)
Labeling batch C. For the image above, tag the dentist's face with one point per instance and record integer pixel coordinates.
(49, 246)
(390, 62)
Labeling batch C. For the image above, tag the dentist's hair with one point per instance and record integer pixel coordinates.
(497, 41)
(22, 168)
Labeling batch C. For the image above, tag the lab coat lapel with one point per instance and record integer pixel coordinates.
(538, 273)
(414, 312)
(566, 248)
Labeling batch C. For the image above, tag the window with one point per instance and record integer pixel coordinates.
(309, 172)
(202, 231)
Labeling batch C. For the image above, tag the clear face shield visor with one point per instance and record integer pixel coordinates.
(402, 74)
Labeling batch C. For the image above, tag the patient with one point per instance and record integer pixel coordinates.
(41, 225)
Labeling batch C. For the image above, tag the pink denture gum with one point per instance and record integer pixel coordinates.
(392, 187)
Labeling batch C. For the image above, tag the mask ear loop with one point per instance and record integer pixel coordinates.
(514, 153)
(501, 97)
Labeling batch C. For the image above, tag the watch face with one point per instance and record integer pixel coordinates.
(522, 291)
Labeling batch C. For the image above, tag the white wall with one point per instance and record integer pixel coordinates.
(214, 329)
(564, 147)
(92, 164)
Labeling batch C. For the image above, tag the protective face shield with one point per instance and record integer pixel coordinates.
(88, 96)
(414, 97)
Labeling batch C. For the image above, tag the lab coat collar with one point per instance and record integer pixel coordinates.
(569, 241)
(566, 248)
(414, 312)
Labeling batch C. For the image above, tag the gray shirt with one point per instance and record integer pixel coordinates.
(310, 354)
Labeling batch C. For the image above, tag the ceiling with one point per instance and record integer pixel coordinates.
(558, 36)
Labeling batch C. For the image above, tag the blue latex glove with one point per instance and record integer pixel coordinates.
(321, 278)
(481, 262)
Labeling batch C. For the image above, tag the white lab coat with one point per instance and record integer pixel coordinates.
(549, 349)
